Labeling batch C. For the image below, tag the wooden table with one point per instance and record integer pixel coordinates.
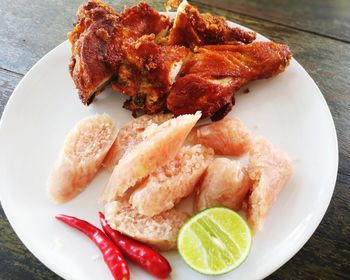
(318, 33)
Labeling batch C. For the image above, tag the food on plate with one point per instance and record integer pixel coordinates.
(100, 39)
(174, 71)
(161, 143)
(89, 73)
(228, 136)
(270, 170)
(148, 74)
(195, 62)
(111, 254)
(211, 76)
(154, 171)
(130, 135)
(82, 154)
(168, 184)
(159, 231)
(215, 241)
(192, 28)
(144, 256)
(226, 183)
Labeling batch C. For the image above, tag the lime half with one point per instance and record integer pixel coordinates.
(215, 241)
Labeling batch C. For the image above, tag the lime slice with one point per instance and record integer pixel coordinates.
(215, 241)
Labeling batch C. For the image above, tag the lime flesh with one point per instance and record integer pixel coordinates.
(215, 241)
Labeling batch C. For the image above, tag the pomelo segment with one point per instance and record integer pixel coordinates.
(83, 151)
(226, 183)
(270, 169)
(160, 144)
(130, 135)
(159, 231)
(170, 183)
(228, 136)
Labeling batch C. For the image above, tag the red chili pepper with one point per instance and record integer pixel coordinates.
(147, 258)
(111, 254)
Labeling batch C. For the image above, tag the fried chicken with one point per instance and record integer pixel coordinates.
(90, 37)
(195, 62)
(148, 74)
(100, 41)
(208, 81)
(192, 28)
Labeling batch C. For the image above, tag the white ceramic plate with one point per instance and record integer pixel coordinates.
(288, 109)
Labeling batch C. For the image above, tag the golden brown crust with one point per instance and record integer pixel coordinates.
(95, 23)
(210, 78)
(192, 28)
(163, 65)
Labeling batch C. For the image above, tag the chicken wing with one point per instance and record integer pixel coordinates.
(208, 81)
(192, 28)
(99, 39)
(196, 62)
(89, 39)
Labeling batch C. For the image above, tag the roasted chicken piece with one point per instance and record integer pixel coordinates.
(158, 63)
(98, 40)
(89, 39)
(148, 73)
(208, 81)
(192, 28)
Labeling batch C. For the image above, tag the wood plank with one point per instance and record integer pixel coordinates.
(17, 263)
(328, 18)
(328, 62)
(8, 81)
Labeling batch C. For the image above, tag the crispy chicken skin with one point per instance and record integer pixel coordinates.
(192, 28)
(195, 62)
(101, 39)
(210, 78)
(89, 38)
(148, 74)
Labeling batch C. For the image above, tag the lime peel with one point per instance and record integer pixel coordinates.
(214, 241)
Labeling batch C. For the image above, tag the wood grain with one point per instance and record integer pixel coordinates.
(17, 263)
(30, 29)
(327, 18)
(8, 81)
